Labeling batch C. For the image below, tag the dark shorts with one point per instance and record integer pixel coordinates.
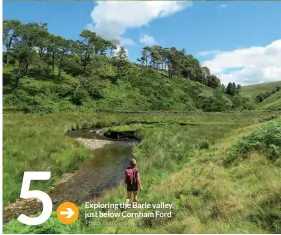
(132, 188)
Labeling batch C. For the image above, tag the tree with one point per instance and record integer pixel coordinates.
(24, 49)
(157, 54)
(52, 50)
(120, 61)
(223, 89)
(122, 54)
(229, 89)
(213, 81)
(101, 45)
(62, 50)
(149, 55)
(40, 35)
(175, 62)
(233, 88)
(145, 55)
(113, 47)
(205, 75)
(166, 57)
(87, 47)
(94, 57)
(10, 34)
(238, 89)
(73, 47)
(25, 55)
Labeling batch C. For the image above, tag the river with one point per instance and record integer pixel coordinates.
(104, 171)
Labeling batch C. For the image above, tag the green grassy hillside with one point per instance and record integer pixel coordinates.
(45, 73)
(141, 89)
(273, 102)
(253, 90)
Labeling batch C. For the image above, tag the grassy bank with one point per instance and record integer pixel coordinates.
(207, 192)
(179, 163)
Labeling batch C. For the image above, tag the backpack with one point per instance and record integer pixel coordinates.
(131, 176)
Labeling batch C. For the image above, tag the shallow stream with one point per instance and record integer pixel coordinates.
(104, 171)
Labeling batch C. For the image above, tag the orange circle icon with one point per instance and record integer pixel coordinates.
(67, 213)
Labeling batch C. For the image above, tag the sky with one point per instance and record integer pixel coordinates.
(239, 41)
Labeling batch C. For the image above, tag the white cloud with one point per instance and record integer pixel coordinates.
(111, 19)
(126, 41)
(118, 49)
(249, 65)
(123, 40)
(147, 40)
(210, 52)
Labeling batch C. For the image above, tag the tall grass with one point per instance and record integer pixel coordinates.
(210, 197)
(172, 166)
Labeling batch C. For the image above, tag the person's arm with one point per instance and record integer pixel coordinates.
(139, 180)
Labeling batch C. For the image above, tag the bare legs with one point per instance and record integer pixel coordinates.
(135, 196)
(128, 198)
(129, 195)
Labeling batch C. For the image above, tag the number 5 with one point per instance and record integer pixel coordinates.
(26, 193)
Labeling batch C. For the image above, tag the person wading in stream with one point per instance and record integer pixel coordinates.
(132, 181)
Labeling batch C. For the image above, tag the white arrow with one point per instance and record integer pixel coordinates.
(69, 213)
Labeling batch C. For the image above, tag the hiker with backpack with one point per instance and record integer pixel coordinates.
(132, 181)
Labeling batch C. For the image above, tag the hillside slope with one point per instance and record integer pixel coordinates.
(253, 90)
(273, 102)
(141, 89)
(48, 73)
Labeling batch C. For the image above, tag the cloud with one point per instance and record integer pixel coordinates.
(111, 19)
(251, 65)
(210, 52)
(126, 41)
(118, 49)
(147, 40)
(109, 36)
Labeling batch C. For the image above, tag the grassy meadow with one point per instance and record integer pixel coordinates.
(190, 159)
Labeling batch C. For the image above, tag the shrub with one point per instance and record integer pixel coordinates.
(262, 96)
(274, 152)
(266, 139)
(79, 96)
(203, 144)
(39, 109)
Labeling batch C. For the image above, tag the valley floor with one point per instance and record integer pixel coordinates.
(218, 180)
